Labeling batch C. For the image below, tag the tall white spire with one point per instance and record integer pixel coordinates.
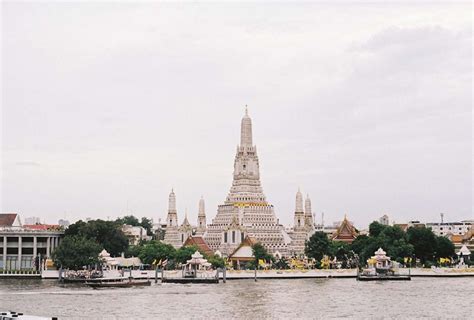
(307, 206)
(299, 202)
(201, 217)
(246, 186)
(246, 130)
(172, 218)
(202, 210)
(172, 202)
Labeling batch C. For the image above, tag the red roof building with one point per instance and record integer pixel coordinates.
(346, 232)
(199, 242)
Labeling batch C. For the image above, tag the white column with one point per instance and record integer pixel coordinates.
(4, 252)
(20, 242)
(35, 247)
(48, 242)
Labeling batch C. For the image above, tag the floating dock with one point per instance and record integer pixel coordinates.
(190, 280)
(384, 278)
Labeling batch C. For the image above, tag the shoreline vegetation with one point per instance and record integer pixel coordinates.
(413, 249)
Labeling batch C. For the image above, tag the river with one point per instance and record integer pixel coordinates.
(427, 298)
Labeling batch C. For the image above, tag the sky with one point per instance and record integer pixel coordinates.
(366, 107)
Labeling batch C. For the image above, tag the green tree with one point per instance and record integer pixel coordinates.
(444, 248)
(423, 241)
(216, 261)
(183, 254)
(375, 228)
(147, 224)
(74, 252)
(130, 220)
(156, 250)
(259, 252)
(317, 246)
(108, 234)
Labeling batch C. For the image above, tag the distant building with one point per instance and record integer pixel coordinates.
(135, 234)
(63, 222)
(410, 224)
(450, 228)
(21, 244)
(384, 220)
(32, 220)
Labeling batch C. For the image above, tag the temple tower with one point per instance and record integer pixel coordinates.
(172, 234)
(299, 213)
(308, 213)
(185, 230)
(245, 210)
(201, 226)
(172, 219)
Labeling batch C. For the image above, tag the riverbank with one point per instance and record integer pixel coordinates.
(287, 274)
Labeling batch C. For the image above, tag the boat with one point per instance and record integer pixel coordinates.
(381, 268)
(118, 284)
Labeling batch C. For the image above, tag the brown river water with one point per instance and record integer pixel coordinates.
(428, 298)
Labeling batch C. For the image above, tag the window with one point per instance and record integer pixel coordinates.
(233, 236)
(182, 237)
(241, 237)
(225, 237)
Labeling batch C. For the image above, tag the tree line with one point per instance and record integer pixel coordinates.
(83, 241)
(401, 246)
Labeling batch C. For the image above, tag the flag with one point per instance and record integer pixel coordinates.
(261, 262)
(154, 262)
(164, 263)
(159, 263)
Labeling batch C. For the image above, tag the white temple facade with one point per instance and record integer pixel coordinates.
(246, 212)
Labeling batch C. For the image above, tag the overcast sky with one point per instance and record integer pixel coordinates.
(106, 107)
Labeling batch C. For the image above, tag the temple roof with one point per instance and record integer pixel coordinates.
(244, 250)
(199, 242)
(346, 232)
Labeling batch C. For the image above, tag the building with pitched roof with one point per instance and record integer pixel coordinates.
(198, 241)
(346, 232)
(243, 253)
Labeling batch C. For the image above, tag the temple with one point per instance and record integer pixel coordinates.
(346, 232)
(175, 234)
(245, 211)
(303, 226)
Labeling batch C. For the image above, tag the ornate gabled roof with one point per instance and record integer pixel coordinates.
(346, 232)
(186, 221)
(248, 242)
(200, 243)
(235, 224)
